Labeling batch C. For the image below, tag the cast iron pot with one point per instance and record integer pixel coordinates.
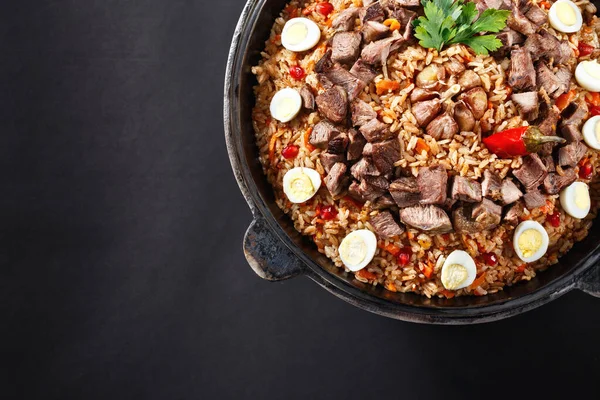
(276, 251)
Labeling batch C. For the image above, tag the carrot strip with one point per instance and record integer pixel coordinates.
(477, 282)
(565, 99)
(363, 273)
(428, 270)
(390, 248)
(421, 146)
(449, 294)
(392, 23)
(521, 268)
(307, 144)
(272, 149)
(385, 85)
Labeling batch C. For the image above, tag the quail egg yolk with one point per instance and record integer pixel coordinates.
(566, 14)
(530, 242)
(582, 198)
(296, 33)
(354, 249)
(301, 186)
(455, 276)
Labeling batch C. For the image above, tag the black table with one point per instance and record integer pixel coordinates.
(120, 240)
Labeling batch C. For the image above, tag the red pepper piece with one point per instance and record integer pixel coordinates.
(490, 259)
(328, 213)
(554, 219)
(595, 111)
(291, 151)
(585, 49)
(518, 141)
(324, 8)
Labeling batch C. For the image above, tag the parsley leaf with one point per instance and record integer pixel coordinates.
(454, 21)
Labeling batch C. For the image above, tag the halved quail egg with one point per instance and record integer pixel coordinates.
(591, 132)
(459, 270)
(587, 75)
(565, 16)
(286, 104)
(300, 34)
(575, 200)
(301, 184)
(358, 249)
(530, 241)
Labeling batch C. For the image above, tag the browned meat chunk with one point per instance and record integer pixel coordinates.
(571, 133)
(575, 113)
(477, 101)
(509, 38)
(385, 154)
(527, 104)
(345, 20)
(374, 12)
(554, 182)
(463, 221)
(385, 201)
(363, 71)
(571, 154)
(378, 182)
(519, 22)
(426, 218)
(419, 94)
(522, 74)
(454, 67)
(333, 104)
(372, 31)
(510, 192)
(433, 184)
(549, 163)
(356, 143)
(442, 127)
(537, 16)
(405, 192)
(548, 118)
(345, 47)
(375, 130)
(469, 79)
(337, 181)
(466, 189)
(464, 117)
(532, 173)
(547, 80)
(405, 17)
(565, 53)
(338, 144)
(328, 160)
(322, 134)
(491, 185)
(362, 113)
(426, 111)
(364, 191)
(308, 98)
(564, 76)
(385, 226)
(513, 213)
(375, 52)
(487, 214)
(534, 199)
(331, 74)
(365, 167)
(431, 77)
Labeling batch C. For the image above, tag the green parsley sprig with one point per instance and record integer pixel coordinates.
(448, 22)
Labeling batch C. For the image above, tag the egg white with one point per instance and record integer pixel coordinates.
(292, 99)
(568, 200)
(310, 40)
(556, 23)
(539, 253)
(368, 245)
(294, 173)
(589, 132)
(585, 79)
(462, 258)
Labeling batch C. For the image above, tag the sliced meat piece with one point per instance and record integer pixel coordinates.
(510, 192)
(375, 130)
(375, 52)
(519, 22)
(532, 173)
(509, 38)
(575, 113)
(364, 192)
(487, 214)
(549, 163)
(362, 112)
(405, 192)
(571, 133)
(363, 71)
(527, 104)
(322, 133)
(433, 184)
(565, 53)
(537, 16)
(325, 63)
(333, 104)
(463, 221)
(372, 31)
(554, 183)
(328, 160)
(571, 154)
(426, 218)
(420, 94)
(477, 101)
(308, 98)
(345, 47)
(426, 111)
(522, 73)
(464, 117)
(383, 202)
(385, 226)
(491, 185)
(469, 80)
(548, 118)
(356, 143)
(373, 12)
(564, 75)
(454, 67)
(337, 75)
(537, 46)
(442, 127)
(547, 80)
(337, 180)
(346, 20)
(466, 189)
(385, 154)
(338, 144)
(534, 199)
(363, 168)
(513, 213)
(379, 182)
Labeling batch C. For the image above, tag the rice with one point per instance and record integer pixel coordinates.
(464, 155)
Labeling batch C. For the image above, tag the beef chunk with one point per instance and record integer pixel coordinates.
(532, 173)
(575, 113)
(549, 163)
(469, 79)
(547, 119)
(372, 31)
(466, 189)
(339, 76)
(510, 192)
(405, 17)
(477, 101)
(426, 218)
(356, 143)
(420, 94)
(338, 144)
(522, 74)
(454, 67)
(405, 192)
(513, 214)
(363, 191)
(337, 181)
(345, 47)
(491, 185)
(383, 202)
(426, 111)
(362, 113)
(365, 167)
(322, 133)
(374, 12)
(554, 182)
(385, 154)
(375, 130)
(385, 226)
(564, 75)
(547, 80)
(433, 184)
(537, 16)
(442, 127)
(308, 98)
(328, 160)
(464, 117)
(519, 22)
(509, 38)
(527, 104)
(487, 214)
(534, 199)
(565, 53)
(571, 133)
(376, 52)
(463, 221)
(333, 104)
(571, 154)
(345, 20)
(363, 71)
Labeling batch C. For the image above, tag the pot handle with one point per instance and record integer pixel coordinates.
(268, 256)
(590, 282)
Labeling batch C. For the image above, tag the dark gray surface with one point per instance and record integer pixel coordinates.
(122, 273)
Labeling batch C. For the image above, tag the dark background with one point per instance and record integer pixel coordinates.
(122, 274)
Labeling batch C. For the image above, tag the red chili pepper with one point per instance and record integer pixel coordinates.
(554, 219)
(297, 72)
(324, 8)
(490, 259)
(328, 213)
(291, 151)
(518, 141)
(404, 256)
(586, 171)
(585, 49)
(595, 111)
